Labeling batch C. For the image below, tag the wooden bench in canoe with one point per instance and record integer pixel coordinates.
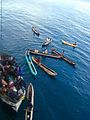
(44, 67)
(63, 57)
(36, 52)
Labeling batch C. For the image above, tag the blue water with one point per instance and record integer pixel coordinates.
(67, 96)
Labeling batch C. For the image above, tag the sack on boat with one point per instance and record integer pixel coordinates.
(36, 51)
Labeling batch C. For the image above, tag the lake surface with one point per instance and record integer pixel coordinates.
(67, 96)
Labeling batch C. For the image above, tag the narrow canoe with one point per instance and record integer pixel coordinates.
(37, 52)
(45, 68)
(35, 31)
(63, 57)
(30, 99)
(67, 43)
(30, 63)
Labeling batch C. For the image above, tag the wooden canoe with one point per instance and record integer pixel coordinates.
(44, 67)
(63, 57)
(35, 31)
(37, 52)
(47, 42)
(30, 63)
(30, 99)
(70, 44)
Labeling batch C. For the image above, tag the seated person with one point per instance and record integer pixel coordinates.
(74, 43)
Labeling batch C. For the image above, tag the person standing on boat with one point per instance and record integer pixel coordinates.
(19, 83)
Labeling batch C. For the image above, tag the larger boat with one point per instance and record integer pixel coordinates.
(12, 85)
(30, 63)
(30, 100)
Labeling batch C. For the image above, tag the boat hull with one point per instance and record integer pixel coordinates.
(29, 113)
(45, 54)
(63, 57)
(45, 68)
(31, 65)
(35, 31)
(47, 43)
(67, 43)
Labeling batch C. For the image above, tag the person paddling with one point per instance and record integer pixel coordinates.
(62, 53)
(75, 43)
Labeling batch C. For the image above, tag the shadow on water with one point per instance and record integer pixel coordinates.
(34, 77)
(52, 77)
(9, 113)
